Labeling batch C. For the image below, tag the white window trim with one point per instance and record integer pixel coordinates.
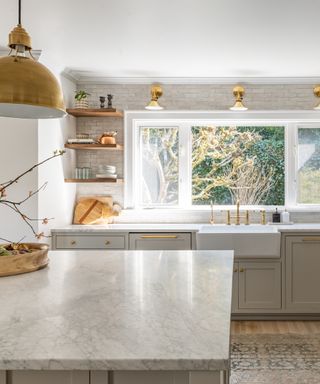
(291, 120)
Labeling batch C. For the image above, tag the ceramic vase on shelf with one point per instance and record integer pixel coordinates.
(82, 104)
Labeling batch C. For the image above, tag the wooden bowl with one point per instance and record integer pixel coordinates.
(25, 262)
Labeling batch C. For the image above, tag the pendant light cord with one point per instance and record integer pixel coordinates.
(19, 12)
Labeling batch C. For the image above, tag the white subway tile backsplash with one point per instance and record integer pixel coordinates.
(177, 97)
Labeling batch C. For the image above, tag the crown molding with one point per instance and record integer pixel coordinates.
(85, 77)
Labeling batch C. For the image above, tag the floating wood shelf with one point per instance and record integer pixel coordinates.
(116, 147)
(95, 180)
(78, 112)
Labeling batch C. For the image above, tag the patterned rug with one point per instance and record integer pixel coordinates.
(275, 359)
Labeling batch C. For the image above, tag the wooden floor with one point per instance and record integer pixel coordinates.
(275, 327)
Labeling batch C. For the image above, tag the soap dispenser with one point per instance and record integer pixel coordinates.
(285, 217)
(276, 217)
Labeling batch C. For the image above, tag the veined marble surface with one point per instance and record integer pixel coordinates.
(148, 227)
(165, 227)
(119, 310)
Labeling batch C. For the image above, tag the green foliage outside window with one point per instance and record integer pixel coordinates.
(245, 163)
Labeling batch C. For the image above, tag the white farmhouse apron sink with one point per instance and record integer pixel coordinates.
(245, 240)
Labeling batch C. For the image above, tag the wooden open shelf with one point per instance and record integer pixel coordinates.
(78, 112)
(96, 180)
(115, 147)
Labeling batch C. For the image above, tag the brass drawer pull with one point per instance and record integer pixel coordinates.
(241, 269)
(311, 238)
(159, 237)
(236, 270)
(73, 242)
(107, 242)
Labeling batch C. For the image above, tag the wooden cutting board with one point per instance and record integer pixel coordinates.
(94, 210)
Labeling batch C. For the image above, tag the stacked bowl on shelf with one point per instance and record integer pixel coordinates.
(106, 172)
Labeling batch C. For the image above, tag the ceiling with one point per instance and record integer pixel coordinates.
(174, 38)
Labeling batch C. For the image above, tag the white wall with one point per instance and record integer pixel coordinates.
(18, 152)
(57, 201)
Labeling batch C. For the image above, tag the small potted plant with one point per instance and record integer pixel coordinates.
(81, 99)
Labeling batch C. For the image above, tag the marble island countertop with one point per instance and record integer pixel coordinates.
(119, 310)
(171, 227)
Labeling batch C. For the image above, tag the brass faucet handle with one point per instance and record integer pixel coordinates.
(212, 213)
(228, 217)
(263, 217)
(247, 217)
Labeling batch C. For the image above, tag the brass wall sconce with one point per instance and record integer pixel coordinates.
(238, 92)
(316, 91)
(156, 92)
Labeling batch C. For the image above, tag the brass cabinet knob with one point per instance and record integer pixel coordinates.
(241, 269)
(107, 242)
(73, 242)
(236, 270)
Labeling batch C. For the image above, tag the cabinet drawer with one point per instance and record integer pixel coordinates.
(160, 241)
(90, 242)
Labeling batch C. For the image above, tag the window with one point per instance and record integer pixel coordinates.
(180, 162)
(159, 166)
(231, 163)
(309, 165)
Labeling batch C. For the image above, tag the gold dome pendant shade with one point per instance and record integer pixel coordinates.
(28, 90)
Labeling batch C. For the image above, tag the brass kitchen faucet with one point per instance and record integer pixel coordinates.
(238, 217)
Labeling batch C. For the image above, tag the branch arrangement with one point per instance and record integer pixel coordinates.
(16, 205)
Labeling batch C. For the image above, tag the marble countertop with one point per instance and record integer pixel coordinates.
(119, 310)
(144, 227)
(170, 227)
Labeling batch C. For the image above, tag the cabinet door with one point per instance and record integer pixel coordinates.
(2, 377)
(302, 274)
(49, 377)
(155, 377)
(160, 241)
(259, 285)
(138, 377)
(235, 287)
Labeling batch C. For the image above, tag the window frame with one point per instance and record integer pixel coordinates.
(295, 169)
(184, 121)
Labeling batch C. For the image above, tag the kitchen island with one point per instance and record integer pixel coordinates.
(118, 317)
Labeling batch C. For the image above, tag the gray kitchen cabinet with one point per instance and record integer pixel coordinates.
(302, 255)
(151, 377)
(89, 241)
(160, 241)
(48, 377)
(259, 285)
(256, 286)
(159, 377)
(117, 377)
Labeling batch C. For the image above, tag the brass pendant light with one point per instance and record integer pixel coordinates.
(28, 90)
(238, 93)
(156, 92)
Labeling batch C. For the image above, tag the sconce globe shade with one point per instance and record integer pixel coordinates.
(153, 106)
(238, 106)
